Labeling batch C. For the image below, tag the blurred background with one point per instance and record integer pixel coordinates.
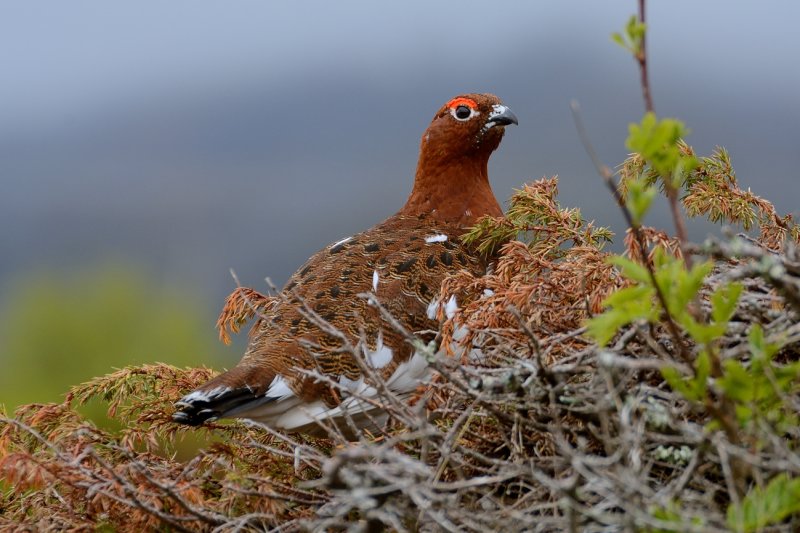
(148, 147)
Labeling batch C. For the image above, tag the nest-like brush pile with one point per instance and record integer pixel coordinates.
(546, 431)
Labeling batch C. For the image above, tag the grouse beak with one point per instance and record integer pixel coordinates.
(501, 116)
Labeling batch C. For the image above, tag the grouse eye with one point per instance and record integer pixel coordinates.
(463, 112)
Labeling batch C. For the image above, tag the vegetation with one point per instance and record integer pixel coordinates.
(58, 331)
(657, 390)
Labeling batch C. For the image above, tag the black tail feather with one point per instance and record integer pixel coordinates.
(196, 407)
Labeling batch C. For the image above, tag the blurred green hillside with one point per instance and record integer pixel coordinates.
(60, 330)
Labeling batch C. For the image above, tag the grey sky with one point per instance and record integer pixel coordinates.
(62, 59)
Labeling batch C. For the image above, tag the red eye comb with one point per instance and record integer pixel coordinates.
(455, 102)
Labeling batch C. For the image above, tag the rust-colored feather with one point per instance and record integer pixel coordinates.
(392, 260)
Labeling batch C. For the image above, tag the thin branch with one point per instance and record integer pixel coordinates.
(641, 58)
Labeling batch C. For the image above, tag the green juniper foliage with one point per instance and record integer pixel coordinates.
(534, 216)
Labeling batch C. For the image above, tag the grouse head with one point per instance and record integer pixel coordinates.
(468, 125)
(452, 181)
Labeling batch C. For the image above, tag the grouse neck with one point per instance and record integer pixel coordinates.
(452, 191)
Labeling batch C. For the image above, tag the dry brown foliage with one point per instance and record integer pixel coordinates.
(240, 307)
(654, 239)
(553, 281)
(63, 472)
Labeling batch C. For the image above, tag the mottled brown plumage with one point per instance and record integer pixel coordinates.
(402, 261)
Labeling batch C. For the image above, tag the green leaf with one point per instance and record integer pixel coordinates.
(640, 197)
(617, 38)
(635, 29)
(723, 302)
(702, 371)
(696, 277)
(676, 381)
(689, 283)
(700, 333)
(679, 286)
(672, 514)
(764, 506)
(691, 388)
(657, 141)
(759, 347)
(737, 382)
(632, 36)
(631, 269)
(625, 306)
(630, 298)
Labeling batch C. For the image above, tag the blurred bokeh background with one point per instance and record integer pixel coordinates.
(148, 147)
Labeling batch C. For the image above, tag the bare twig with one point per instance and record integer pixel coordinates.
(641, 58)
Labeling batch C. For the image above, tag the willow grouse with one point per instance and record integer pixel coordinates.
(402, 260)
